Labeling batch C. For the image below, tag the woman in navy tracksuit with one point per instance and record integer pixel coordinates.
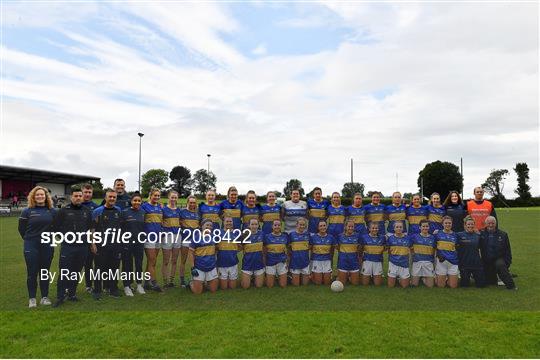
(456, 210)
(36, 219)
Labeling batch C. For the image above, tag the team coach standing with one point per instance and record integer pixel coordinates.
(74, 218)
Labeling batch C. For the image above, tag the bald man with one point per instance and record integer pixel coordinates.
(496, 254)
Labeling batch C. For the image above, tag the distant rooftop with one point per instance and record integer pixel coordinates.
(39, 175)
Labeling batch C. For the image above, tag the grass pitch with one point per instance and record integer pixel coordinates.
(294, 322)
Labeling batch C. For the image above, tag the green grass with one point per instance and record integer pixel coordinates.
(293, 322)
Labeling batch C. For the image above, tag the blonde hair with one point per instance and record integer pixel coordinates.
(32, 197)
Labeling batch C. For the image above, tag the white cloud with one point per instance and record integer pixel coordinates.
(463, 82)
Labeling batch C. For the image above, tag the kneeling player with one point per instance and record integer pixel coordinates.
(348, 260)
(252, 262)
(276, 255)
(202, 254)
(299, 253)
(322, 251)
(423, 256)
(372, 247)
(446, 264)
(398, 260)
(227, 256)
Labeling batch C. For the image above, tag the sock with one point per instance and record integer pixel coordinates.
(182, 280)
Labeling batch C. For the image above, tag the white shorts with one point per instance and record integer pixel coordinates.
(321, 266)
(256, 272)
(152, 245)
(348, 271)
(170, 241)
(372, 268)
(400, 272)
(184, 243)
(423, 269)
(279, 269)
(445, 268)
(206, 275)
(304, 271)
(228, 273)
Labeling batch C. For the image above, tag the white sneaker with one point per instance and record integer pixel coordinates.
(45, 301)
(127, 291)
(500, 283)
(32, 303)
(140, 289)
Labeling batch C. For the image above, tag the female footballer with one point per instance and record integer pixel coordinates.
(316, 209)
(252, 260)
(210, 209)
(336, 215)
(357, 213)
(373, 246)
(232, 207)
(322, 252)
(348, 256)
(415, 213)
(171, 239)
(153, 216)
(270, 212)
(435, 211)
(202, 254)
(133, 223)
(395, 212)
(446, 263)
(375, 212)
(299, 253)
(250, 210)
(227, 256)
(423, 248)
(275, 247)
(399, 247)
(189, 220)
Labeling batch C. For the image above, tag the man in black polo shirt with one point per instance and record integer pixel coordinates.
(77, 219)
(107, 257)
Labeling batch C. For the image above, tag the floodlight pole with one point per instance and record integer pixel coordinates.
(208, 155)
(140, 148)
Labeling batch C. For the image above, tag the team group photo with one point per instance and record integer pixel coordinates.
(269, 179)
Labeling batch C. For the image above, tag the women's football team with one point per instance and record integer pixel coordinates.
(293, 243)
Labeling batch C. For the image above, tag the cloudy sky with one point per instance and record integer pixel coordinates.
(273, 91)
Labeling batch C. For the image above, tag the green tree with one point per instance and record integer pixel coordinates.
(154, 178)
(441, 177)
(523, 190)
(204, 181)
(349, 189)
(182, 181)
(494, 184)
(293, 184)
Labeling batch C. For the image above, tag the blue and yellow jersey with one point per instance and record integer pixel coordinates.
(316, 212)
(253, 253)
(446, 246)
(268, 215)
(435, 216)
(373, 247)
(395, 213)
(276, 248)
(414, 216)
(227, 252)
(336, 218)
(321, 246)
(399, 249)
(204, 250)
(358, 215)
(299, 245)
(249, 213)
(210, 212)
(348, 252)
(189, 220)
(233, 211)
(153, 214)
(423, 247)
(375, 213)
(171, 220)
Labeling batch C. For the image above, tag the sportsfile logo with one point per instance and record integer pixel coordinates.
(117, 236)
